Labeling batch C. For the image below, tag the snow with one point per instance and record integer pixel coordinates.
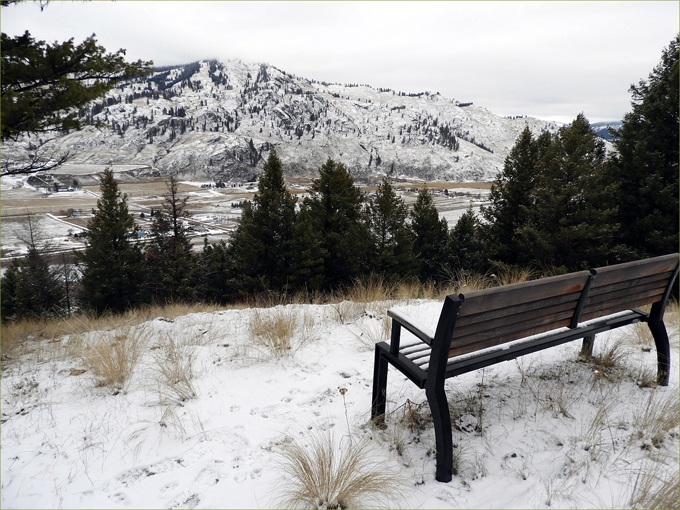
(67, 442)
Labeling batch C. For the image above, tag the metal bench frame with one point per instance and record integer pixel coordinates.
(546, 312)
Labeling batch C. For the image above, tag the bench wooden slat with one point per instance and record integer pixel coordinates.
(658, 279)
(637, 269)
(649, 291)
(513, 322)
(516, 294)
(509, 311)
(607, 308)
(493, 337)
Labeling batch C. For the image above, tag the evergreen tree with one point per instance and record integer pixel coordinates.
(262, 243)
(430, 238)
(169, 257)
(510, 199)
(466, 246)
(113, 264)
(646, 166)
(39, 289)
(44, 86)
(8, 296)
(331, 221)
(571, 220)
(309, 252)
(213, 281)
(391, 250)
(32, 287)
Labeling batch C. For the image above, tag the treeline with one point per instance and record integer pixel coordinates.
(560, 204)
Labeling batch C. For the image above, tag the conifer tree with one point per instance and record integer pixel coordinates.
(571, 220)
(262, 243)
(31, 287)
(331, 220)
(169, 257)
(113, 263)
(646, 166)
(510, 199)
(391, 250)
(214, 274)
(430, 238)
(466, 246)
(44, 85)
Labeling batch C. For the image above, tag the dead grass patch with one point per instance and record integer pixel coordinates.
(279, 332)
(320, 473)
(655, 488)
(112, 357)
(657, 418)
(173, 372)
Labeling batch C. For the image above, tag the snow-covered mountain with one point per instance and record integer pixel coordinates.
(220, 119)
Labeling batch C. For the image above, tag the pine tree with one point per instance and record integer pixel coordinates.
(466, 246)
(44, 86)
(31, 286)
(571, 220)
(262, 243)
(39, 289)
(214, 273)
(391, 250)
(170, 268)
(8, 296)
(332, 220)
(646, 166)
(430, 238)
(510, 199)
(113, 264)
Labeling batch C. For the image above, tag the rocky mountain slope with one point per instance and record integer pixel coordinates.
(219, 119)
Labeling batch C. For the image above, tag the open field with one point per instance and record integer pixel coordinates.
(214, 211)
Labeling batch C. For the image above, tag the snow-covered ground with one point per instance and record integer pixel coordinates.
(546, 430)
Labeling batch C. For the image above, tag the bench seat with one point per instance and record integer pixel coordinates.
(489, 326)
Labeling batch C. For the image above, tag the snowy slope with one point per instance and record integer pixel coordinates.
(547, 430)
(221, 118)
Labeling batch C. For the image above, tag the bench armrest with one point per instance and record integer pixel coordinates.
(422, 332)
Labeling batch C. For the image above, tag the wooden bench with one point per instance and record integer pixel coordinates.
(485, 327)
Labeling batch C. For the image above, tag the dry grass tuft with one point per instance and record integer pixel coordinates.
(173, 372)
(655, 489)
(660, 415)
(468, 282)
(370, 289)
(508, 274)
(372, 329)
(112, 358)
(612, 357)
(279, 332)
(15, 334)
(322, 474)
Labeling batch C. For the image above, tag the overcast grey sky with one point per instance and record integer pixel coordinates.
(550, 60)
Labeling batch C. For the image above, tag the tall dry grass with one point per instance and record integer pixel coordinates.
(112, 357)
(280, 331)
(173, 372)
(16, 336)
(320, 473)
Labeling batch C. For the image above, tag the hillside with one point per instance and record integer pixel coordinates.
(219, 120)
(206, 410)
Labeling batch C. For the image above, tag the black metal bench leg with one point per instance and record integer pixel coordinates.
(663, 351)
(587, 346)
(439, 407)
(379, 389)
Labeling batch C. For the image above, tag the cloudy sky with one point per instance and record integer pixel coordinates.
(550, 60)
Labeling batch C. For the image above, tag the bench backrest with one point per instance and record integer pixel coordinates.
(494, 316)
